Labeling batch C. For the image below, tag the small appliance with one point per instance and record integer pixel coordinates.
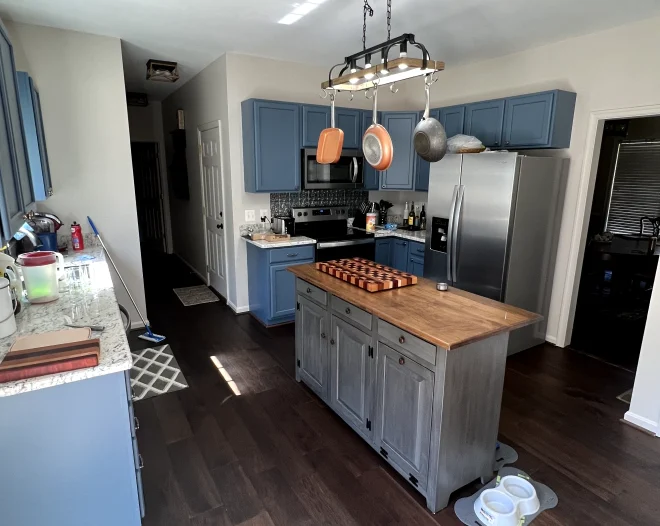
(346, 173)
(7, 307)
(283, 225)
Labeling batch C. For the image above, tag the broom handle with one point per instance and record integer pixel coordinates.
(96, 233)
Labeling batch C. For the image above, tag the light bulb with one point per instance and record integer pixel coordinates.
(354, 80)
(368, 76)
(403, 66)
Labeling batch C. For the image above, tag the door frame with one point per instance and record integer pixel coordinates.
(202, 128)
(583, 210)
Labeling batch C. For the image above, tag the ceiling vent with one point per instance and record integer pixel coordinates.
(162, 71)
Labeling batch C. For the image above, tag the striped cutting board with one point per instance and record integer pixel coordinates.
(366, 274)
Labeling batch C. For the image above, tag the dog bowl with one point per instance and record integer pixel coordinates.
(521, 489)
(497, 508)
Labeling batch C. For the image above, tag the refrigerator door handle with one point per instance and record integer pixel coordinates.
(455, 233)
(450, 234)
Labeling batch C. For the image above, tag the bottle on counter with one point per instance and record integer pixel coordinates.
(416, 221)
(411, 216)
(404, 219)
(422, 219)
(77, 237)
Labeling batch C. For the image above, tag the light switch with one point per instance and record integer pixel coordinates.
(249, 216)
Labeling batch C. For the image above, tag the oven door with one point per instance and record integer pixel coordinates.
(345, 173)
(354, 248)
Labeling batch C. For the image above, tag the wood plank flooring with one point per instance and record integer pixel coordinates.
(276, 455)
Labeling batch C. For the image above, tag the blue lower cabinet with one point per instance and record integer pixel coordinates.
(384, 251)
(416, 266)
(271, 287)
(400, 254)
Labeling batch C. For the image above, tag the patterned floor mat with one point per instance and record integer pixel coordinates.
(197, 295)
(155, 371)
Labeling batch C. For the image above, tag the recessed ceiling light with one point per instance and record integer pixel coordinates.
(303, 9)
(289, 19)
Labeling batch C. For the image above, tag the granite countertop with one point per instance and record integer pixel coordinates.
(87, 296)
(411, 235)
(292, 242)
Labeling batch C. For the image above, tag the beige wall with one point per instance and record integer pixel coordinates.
(80, 78)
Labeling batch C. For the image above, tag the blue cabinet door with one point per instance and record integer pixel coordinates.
(282, 291)
(350, 121)
(401, 174)
(384, 252)
(271, 146)
(34, 137)
(453, 119)
(416, 249)
(371, 175)
(400, 254)
(416, 266)
(527, 120)
(484, 120)
(314, 120)
(423, 167)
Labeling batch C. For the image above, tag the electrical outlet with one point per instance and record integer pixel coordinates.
(264, 212)
(249, 216)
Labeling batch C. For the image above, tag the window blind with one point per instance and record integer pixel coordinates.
(635, 188)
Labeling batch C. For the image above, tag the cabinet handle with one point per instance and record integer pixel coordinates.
(420, 249)
(323, 335)
(402, 340)
(383, 186)
(309, 291)
(140, 462)
(332, 341)
(496, 143)
(348, 310)
(402, 361)
(136, 423)
(508, 142)
(405, 244)
(292, 255)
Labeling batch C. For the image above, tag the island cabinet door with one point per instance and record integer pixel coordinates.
(312, 345)
(351, 357)
(403, 414)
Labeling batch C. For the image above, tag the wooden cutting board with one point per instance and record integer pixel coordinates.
(366, 274)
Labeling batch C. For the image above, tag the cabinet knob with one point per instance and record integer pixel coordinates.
(405, 244)
(507, 142)
(402, 340)
(136, 423)
(309, 291)
(402, 361)
(348, 310)
(383, 186)
(332, 341)
(219, 226)
(323, 335)
(496, 143)
(293, 255)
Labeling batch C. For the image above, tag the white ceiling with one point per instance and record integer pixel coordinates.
(196, 32)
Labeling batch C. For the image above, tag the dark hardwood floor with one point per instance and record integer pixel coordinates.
(275, 454)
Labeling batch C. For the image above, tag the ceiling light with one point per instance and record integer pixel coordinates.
(305, 8)
(289, 19)
(353, 80)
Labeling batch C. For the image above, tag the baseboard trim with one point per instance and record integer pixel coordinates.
(238, 310)
(551, 339)
(203, 278)
(641, 422)
(137, 324)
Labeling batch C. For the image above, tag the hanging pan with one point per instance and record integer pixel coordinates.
(429, 137)
(377, 143)
(331, 140)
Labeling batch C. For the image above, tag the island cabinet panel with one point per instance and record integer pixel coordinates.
(312, 345)
(400, 254)
(351, 357)
(404, 393)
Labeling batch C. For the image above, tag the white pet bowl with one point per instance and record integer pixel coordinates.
(521, 489)
(497, 508)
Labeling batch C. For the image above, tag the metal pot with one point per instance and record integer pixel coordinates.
(376, 142)
(430, 138)
(283, 225)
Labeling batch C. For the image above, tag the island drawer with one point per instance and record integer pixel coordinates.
(310, 291)
(295, 253)
(406, 341)
(350, 311)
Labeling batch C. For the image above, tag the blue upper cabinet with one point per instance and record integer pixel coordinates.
(401, 174)
(540, 120)
(484, 121)
(453, 119)
(350, 121)
(371, 175)
(423, 167)
(314, 120)
(35, 140)
(271, 146)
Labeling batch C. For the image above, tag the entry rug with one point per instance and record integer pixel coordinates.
(464, 508)
(197, 295)
(155, 372)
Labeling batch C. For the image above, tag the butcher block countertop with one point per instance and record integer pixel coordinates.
(448, 319)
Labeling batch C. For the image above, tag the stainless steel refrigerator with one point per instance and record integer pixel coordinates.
(492, 229)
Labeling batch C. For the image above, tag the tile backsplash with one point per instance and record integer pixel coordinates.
(282, 203)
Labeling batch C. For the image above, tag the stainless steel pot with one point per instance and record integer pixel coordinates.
(283, 225)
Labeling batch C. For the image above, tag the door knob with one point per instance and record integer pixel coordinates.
(402, 361)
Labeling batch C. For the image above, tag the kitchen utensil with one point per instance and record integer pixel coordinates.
(49, 241)
(283, 225)
(331, 140)
(7, 319)
(376, 142)
(41, 272)
(96, 328)
(429, 137)
(149, 335)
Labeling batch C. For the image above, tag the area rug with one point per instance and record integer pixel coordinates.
(155, 372)
(197, 295)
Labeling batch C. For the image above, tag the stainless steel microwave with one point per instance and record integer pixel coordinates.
(347, 172)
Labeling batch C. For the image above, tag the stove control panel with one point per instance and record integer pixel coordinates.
(322, 213)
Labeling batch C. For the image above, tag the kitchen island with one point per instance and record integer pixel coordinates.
(418, 373)
(68, 440)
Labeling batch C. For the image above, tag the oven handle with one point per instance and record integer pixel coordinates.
(354, 170)
(333, 244)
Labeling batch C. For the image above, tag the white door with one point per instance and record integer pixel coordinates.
(211, 165)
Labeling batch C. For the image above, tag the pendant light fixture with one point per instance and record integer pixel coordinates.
(359, 73)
